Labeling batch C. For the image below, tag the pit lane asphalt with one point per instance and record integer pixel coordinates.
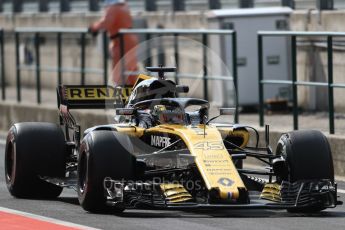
(66, 208)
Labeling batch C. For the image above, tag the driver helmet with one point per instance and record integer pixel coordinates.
(168, 114)
(152, 89)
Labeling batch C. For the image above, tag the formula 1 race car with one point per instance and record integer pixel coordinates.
(164, 152)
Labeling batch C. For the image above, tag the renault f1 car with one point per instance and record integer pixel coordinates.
(164, 152)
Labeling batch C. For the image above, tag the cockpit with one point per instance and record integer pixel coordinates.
(183, 111)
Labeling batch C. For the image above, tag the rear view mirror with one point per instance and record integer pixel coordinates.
(125, 111)
(227, 111)
(182, 89)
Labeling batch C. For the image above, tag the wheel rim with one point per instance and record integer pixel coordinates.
(10, 162)
(82, 173)
(282, 150)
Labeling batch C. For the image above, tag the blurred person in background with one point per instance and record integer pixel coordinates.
(117, 16)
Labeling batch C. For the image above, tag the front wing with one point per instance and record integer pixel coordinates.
(301, 194)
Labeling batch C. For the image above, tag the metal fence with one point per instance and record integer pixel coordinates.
(59, 69)
(294, 82)
(60, 33)
(166, 5)
(2, 65)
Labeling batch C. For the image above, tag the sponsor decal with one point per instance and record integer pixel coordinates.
(159, 141)
(215, 145)
(96, 93)
(225, 182)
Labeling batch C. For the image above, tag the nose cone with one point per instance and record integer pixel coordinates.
(239, 195)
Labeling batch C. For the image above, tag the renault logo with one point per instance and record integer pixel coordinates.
(225, 182)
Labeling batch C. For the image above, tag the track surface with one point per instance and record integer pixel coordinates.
(66, 208)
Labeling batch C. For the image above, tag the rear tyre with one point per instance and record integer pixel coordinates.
(308, 156)
(33, 150)
(103, 154)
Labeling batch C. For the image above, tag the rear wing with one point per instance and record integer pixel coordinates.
(92, 96)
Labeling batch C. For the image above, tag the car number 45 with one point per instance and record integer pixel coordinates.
(214, 145)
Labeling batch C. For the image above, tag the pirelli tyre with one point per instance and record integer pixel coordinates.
(103, 154)
(308, 156)
(34, 150)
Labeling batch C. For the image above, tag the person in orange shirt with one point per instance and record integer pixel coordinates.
(117, 16)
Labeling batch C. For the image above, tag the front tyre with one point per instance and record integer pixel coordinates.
(102, 154)
(308, 157)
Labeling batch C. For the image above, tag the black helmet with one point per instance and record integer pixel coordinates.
(152, 89)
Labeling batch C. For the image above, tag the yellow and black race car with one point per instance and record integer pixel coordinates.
(164, 152)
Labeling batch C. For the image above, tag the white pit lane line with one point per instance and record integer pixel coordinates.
(46, 219)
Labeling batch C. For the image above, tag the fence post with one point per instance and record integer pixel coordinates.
(2, 65)
(294, 79)
(148, 50)
(93, 5)
(176, 56)
(288, 3)
(17, 6)
(43, 6)
(234, 71)
(246, 3)
(325, 4)
(38, 67)
(59, 58)
(65, 6)
(330, 84)
(261, 77)
(17, 66)
(214, 4)
(179, 5)
(2, 55)
(150, 5)
(82, 58)
(204, 61)
(122, 55)
(105, 57)
(160, 49)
